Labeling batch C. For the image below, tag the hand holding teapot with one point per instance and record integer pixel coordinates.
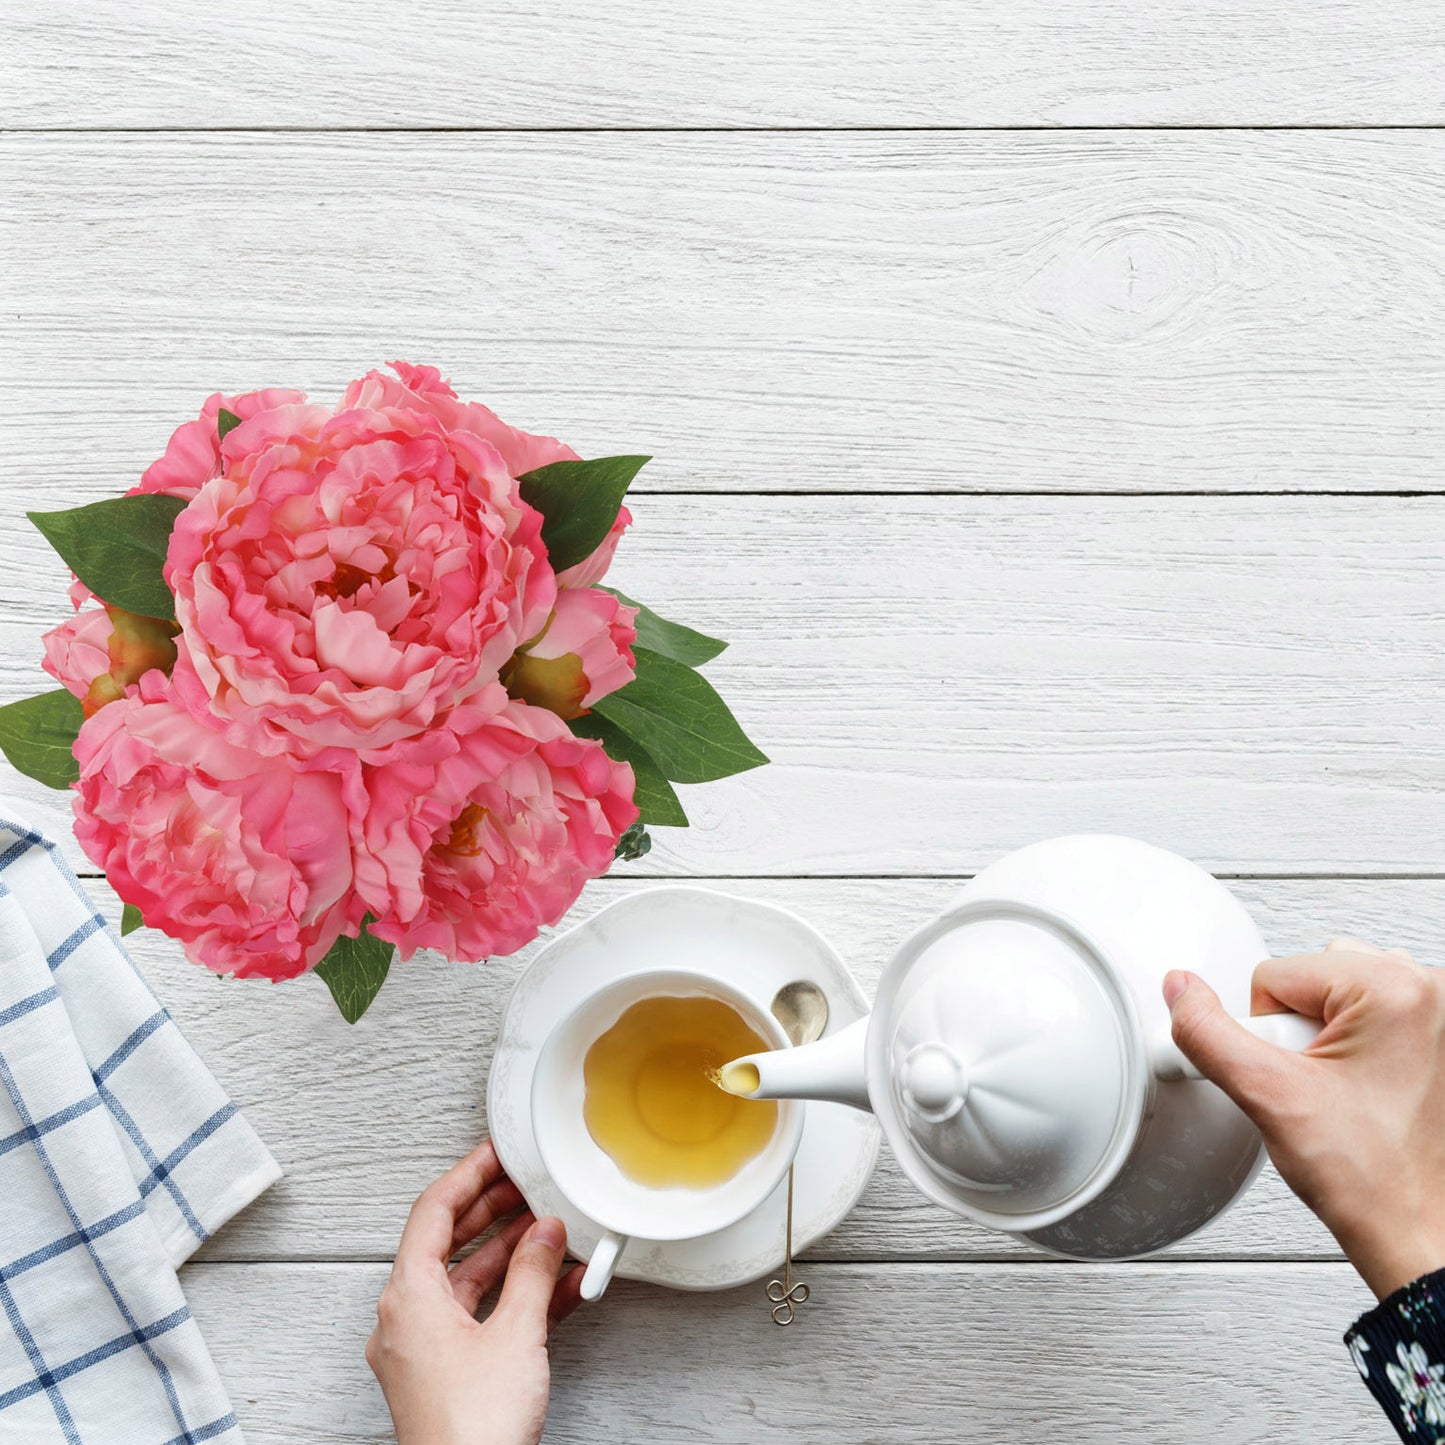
(1019, 1055)
(1356, 1124)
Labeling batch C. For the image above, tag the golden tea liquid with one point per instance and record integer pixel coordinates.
(651, 1102)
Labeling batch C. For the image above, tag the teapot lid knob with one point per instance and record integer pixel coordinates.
(933, 1082)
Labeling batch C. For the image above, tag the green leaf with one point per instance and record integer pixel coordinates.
(671, 639)
(37, 735)
(633, 844)
(578, 502)
(354, 969)
(117, 548)
(653, 794)
(676, 714)
(130, 919)
(226, 421)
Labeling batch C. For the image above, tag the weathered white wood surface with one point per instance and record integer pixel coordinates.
(984, 1354)
(858, 316)
(1083, 311)
(111, 63)
(1257, 682)
(339, 1108)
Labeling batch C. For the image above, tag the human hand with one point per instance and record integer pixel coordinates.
(1356, 1123)
(449, 1378)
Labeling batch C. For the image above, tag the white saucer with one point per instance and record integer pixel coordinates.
(759, 947)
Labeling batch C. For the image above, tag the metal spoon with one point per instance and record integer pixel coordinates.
(802, 1009)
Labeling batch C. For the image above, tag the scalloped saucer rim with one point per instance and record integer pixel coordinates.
(771, 945)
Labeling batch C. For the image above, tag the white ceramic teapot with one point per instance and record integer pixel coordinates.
(1019, 1058)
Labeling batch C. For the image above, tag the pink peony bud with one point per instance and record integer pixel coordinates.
(133, 646)
(584, 654)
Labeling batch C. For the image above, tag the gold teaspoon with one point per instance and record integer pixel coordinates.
(802, 1009)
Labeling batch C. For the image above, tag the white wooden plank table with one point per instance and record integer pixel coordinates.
(1046, 405)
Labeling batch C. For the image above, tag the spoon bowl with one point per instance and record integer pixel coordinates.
(802, 1009)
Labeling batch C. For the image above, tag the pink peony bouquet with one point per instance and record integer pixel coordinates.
(345, 680)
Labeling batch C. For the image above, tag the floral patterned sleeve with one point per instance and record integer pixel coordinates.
(1399, 1349)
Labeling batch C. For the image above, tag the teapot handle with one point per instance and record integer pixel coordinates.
(1286, 1031)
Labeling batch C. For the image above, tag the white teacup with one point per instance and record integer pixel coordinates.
(589, 1177)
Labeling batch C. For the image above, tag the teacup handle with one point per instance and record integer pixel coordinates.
(1285, 1031)
(600, 1267)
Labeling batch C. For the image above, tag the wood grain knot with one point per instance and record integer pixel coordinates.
(1139, 276)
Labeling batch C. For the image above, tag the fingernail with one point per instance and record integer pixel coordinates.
(551, 1232)
(1175, 982)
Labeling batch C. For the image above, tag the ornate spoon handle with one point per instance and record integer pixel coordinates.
(784, 1294)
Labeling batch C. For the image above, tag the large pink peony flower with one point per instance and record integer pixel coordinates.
(245, 859)
(584, 654)
(351, 576)
(480, 833)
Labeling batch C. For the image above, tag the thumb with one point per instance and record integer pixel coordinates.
(532, 1275)
(1226, 1053)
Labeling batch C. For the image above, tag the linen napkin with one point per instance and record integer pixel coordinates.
(119, 1155)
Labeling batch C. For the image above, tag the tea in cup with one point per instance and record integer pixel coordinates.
(630, 1121)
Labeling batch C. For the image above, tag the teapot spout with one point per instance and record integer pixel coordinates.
(833, 1069)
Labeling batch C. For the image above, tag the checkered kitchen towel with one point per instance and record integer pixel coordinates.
(119, 1154)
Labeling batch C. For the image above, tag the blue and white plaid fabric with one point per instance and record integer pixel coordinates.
(119, 1154)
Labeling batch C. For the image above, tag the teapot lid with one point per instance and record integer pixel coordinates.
(1008, 1063)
